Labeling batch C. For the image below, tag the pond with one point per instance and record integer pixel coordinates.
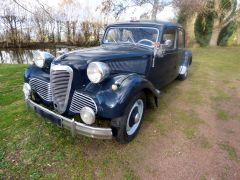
(25, 56)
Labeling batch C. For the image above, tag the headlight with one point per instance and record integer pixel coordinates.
(97, 71)
(87, 115)
(39, 58)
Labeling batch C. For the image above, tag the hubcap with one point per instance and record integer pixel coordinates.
(137, 118)
(185, 74)
(134, 117)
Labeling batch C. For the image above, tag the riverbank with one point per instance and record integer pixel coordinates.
(25, 55)
(44, 45)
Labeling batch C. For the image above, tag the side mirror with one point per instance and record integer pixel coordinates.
(62, 51)
(168, 43)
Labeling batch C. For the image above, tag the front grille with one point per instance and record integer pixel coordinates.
(61, 81)
(42, 88)
(80, 100)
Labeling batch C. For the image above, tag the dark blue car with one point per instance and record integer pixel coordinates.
(101, 92)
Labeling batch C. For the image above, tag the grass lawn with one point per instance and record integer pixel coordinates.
(197, 119)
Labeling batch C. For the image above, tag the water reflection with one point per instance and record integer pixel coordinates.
(25, 56)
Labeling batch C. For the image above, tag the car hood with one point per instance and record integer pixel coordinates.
(107, 53)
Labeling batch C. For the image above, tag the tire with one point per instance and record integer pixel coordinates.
(126, 127)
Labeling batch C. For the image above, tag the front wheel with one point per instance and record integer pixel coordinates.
(127, 126)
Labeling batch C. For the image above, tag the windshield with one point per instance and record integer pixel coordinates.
(137, 35)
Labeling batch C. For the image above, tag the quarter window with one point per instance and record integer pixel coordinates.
(180, 39)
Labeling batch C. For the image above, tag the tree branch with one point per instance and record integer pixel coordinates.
(22, 7)
(233, 18)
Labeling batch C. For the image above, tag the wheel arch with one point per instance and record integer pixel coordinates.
(112, 103)
(150, 96)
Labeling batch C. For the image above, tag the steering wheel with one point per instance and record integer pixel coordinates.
(146, 40)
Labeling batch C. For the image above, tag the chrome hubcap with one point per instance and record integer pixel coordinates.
(135, 117)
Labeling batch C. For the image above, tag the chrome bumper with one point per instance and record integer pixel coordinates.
(74, 126)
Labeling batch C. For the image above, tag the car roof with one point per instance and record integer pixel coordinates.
(147, 23)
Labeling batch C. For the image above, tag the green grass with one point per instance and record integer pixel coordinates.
(222, 115)
(32, 148)
(230, 150)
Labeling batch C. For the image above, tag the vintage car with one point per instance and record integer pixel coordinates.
(101, 92)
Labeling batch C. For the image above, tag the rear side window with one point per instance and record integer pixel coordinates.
(170, 34)
(180, 39)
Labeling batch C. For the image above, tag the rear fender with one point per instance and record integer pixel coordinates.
(185, 62)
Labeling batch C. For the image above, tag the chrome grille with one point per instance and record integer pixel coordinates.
(42, 88)
(80, 100)
(61, 81)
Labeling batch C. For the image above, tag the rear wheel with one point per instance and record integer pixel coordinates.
(127, 126)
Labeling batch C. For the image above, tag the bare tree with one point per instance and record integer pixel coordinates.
(40, 21)
(120, 6)
(70, 12)
(22, 22)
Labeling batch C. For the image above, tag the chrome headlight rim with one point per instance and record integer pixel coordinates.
(97, 72)
(39, 58)
(87, 115)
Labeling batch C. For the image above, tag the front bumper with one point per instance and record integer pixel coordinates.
(70, 124)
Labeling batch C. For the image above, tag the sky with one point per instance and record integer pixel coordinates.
(166, 14)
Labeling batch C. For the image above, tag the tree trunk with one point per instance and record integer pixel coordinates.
(59, 29)
(215, 32)
(216, 23)
(68, 32)
(190, 30)
(154, 10)
(74, 31)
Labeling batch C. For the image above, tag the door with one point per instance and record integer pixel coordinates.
(165, 68)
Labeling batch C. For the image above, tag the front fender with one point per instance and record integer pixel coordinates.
(111, 104)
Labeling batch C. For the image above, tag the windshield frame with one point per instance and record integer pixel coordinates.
(133, 27)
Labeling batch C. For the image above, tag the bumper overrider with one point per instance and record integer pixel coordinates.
(75, 127)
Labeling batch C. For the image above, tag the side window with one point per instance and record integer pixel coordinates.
(113, 36)
(170, 34)
(127, 36)
(180, 39)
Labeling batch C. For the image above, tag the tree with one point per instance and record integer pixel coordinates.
(70, 13)
(120, 6)
(187, 16)
(203, 29)
(224, 12)
(40, 21)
